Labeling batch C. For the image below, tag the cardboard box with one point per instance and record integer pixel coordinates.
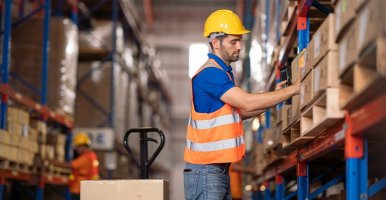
(344, 14)
(12, 114)
(5, 137)
(56, 139)
(33, 134)
(8, 152)
(322, 41)
(125, 189)
(306, 91)
(294, 69)
(14, 139)
(284, 116)
(326, 73)
(348, 49)
(303, 66)
(371, 20)
(40, 126)
(295, 108)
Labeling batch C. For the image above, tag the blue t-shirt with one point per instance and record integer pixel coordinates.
(210, 84)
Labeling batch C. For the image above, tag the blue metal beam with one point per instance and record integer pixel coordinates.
(323, 188)
(303, 185)
(2, 191)
(352, 178)
(377, 187)
(24, 82)
(39, 193)
(46, 51)
(5, 60)
(363, 170)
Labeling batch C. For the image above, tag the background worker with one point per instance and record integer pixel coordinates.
(84, 166)
(215, 132)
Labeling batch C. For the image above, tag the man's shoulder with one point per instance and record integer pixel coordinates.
(209, 73)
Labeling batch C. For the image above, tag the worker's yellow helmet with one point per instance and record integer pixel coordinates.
(81, 139)
(224, 21)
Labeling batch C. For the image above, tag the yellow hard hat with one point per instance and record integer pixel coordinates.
(224, 21)
(81, 139)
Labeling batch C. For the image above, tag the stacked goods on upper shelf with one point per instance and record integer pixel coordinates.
(19, 143)
(26, 62)
(361, 51)
(316, 67)
(320, 95)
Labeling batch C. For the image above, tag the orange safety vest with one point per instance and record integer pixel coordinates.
(88, 171)
(215, 137)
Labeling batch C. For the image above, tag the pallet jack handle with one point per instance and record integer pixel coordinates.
(144, 163)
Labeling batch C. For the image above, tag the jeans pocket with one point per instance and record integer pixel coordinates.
(190, 184)
(216, 170)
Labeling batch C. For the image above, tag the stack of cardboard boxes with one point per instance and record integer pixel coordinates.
(18, 143)
(361, 37)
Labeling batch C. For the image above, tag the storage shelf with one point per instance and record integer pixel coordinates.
(29, 103)
(15, 175)
(54, 180)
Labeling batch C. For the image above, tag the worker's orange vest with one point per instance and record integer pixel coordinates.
(92, 172)
(215, 137)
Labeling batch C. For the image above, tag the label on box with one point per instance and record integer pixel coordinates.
(363, 20)
(301, 64)
(316, 79)
(342, 54)
(316, 45)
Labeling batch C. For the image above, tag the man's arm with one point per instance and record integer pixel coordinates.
(61, 164)
(246, 115)
(238, 98)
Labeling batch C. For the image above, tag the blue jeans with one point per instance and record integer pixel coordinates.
(207, 182)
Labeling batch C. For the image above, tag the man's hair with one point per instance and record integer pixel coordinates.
(220, 38)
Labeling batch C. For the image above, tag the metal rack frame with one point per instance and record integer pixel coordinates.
(41, 108)
(350, 134)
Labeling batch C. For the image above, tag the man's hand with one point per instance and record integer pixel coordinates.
(280, 85)
(297, 86)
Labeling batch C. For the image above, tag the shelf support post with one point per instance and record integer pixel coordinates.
(5, 60)
(279, 191)
(267, 191)
(46, 50)
(302, 174)
(356, 164)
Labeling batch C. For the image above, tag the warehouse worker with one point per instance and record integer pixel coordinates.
(85, 165)
(215, 132)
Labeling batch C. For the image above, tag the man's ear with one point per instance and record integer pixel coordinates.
(216, 43)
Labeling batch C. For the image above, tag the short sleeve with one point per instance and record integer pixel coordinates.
(213, 81)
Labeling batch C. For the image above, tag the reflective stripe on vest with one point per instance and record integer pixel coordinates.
(218, 121)
(215, 146)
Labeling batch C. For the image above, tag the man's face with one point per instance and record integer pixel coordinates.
(230, 48)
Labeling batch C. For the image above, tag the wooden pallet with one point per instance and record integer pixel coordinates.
(292, 138)
(16, 166)
(367, 79)
(322, 114)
